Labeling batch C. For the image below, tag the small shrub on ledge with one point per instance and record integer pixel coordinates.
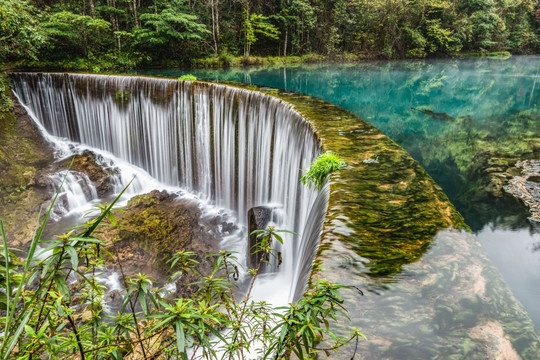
(187, 77)
(320, 168)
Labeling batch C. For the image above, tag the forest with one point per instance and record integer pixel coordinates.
(122, 34)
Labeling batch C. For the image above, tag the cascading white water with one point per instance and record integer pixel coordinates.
(234, 147)
(76, 193)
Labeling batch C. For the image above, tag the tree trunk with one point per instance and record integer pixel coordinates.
(114, 23)
(92, 10)
(214, 26)
(216, 2)
(134, 11)
(246, 26)
(85, 34)
(285, 43)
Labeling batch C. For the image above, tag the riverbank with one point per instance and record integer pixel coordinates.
(224, 60)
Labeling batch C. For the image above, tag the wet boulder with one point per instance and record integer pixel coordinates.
(258, 219)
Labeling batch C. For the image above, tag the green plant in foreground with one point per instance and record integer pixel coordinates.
(187, 77)
(320, 168)
(53, 307)
(6, 105)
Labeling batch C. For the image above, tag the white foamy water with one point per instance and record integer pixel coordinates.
(230, 148)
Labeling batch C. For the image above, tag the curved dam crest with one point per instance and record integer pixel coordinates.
(231, 146)
(243, 146)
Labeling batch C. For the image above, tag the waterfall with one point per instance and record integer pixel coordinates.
(76, 193)
(233, 147)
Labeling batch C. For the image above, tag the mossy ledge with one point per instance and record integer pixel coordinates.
(383, 204)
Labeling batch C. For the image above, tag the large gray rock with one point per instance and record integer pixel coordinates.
(258, 219)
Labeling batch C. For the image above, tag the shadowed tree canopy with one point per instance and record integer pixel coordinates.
(170, 30)
(20, 35)
(130, 33)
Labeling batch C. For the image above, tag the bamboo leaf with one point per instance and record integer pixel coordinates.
(142, 301)
(62, 286)
(8, 280)
(180, 337)
(17, 334)
(73, 257)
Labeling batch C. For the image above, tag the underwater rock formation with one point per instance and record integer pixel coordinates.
(526, 186)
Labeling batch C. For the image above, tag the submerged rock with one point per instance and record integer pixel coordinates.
(526, 186)
(451, 304)
(436, 115)
(258, 219)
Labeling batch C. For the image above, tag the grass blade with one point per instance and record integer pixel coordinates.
(17, 334)
(27, 265)
(88, 232)
(6, 258)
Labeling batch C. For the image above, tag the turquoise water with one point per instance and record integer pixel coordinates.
(482, 115)
(494, 104)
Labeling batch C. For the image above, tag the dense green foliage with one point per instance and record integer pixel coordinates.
(187, 77)
(89, 34)
(5, 101)
(52, 306)
(320, 168)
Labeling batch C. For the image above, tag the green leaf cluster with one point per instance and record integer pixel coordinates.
(187, 77)
(320, 168)
(53, 306)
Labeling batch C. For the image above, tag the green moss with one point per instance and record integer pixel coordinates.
(142, 200)
(465, 55)
(20, 156)
(226, 60)
(17, 157)
(121, 95)
(151, 229)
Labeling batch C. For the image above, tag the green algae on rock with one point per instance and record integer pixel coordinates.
(157, 225)
(23, 152)
(383, 204)
(526, 187)
(153, 227)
